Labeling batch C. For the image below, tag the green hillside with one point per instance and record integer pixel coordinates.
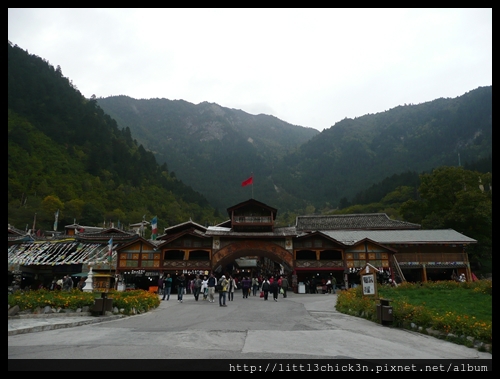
(65, 153)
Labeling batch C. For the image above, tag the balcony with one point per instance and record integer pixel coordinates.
(252, 220)
(432, 259)
(252, 223)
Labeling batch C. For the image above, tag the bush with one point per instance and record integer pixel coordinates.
(127, 302)
(463, 309)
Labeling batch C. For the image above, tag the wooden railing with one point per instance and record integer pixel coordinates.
(404, 258)
(398, 269)
(253, 219)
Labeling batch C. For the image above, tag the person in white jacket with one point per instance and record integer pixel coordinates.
(231, 288)
(204, 287)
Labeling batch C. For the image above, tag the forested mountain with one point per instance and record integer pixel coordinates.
(68, 154)
(65, 153)
(213, 148)
(95, 158)
(357, 153)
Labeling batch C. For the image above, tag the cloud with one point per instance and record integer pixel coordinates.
(310, 67)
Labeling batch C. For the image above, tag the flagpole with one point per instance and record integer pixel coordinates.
(57, 219)
(110, 259)
(252, 185)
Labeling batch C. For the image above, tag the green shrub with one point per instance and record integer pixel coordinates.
(463, 309)
(126, 302)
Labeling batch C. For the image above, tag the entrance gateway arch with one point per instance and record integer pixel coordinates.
(246, 248)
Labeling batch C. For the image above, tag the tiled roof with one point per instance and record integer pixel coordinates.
(183, 226)
(104, 237)
(228, 232)
(448, 236)
(367, 221)
(12, 231)
(88, 229)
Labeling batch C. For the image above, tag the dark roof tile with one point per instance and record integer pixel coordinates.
(366, 221)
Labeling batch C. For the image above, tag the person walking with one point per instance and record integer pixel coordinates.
(312, 287)
(329, 286)
(53, 284)
(307, 285)
(81, 284)
(67, 283)
(266, 286)
(245, 286)
(204, 287)
(196, 287)
(212, 281)
(255, 285)
(181, 285)
(190, 288)
(274, 289)
(160, 285)
(284, 285)
(167, 287)
(334, 285)
(231, 288)
(223, 291)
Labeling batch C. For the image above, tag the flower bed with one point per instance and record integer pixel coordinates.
(129, 302)
(445, 309)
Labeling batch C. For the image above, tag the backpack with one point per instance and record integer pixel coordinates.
(224, 286)
(265, 286)
(218, 287)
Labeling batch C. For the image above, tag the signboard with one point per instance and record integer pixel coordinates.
(369, 280)
(101, 284)
(369, 284)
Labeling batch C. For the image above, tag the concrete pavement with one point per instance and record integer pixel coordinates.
(300, 326)
(30, 323)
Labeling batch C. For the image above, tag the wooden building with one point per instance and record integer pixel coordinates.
(315, 247)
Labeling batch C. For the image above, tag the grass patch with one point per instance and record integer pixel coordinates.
(442, 298)
(460, 309)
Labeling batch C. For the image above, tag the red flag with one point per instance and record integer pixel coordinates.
(247, 182)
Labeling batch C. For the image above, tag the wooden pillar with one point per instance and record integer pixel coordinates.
(424, 273)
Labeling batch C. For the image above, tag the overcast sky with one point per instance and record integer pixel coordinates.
(309, 67)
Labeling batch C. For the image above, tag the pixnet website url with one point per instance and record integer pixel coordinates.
(355, 367)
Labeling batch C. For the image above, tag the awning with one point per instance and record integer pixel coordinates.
(81, 274)
(243, 263)
(95, 275)
(58, 253)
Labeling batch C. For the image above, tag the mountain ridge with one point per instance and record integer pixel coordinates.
(296, 166)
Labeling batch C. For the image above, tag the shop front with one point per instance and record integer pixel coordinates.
(313, 280)
(138, 279)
